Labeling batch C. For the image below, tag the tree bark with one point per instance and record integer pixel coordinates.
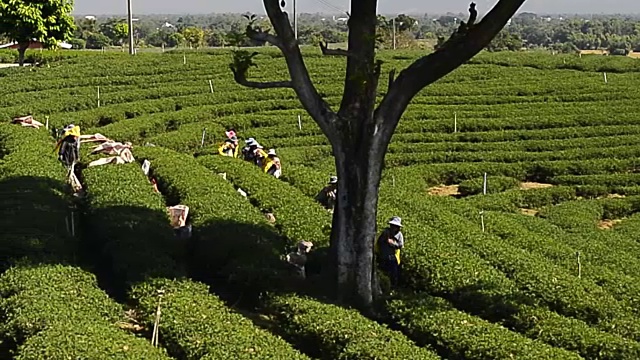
(359, 169)
(22, 48)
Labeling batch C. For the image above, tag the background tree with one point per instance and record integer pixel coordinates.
(47, 21)
(193, 36)
(360, 132)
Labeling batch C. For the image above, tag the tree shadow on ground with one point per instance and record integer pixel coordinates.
(33, 228)
(238, 260)
(127, 244)
(34, 213)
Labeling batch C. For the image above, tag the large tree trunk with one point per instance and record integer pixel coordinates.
(359, 169)
(22, 48)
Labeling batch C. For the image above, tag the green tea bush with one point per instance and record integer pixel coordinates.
(495, 184)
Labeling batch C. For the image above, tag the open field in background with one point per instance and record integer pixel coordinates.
(554, 274)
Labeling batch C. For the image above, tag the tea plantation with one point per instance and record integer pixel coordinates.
(543, 266)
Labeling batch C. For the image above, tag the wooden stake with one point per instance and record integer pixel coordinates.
(156, 324)
(98, 96)
(204, 131)
(299, 122)
(47, 123)
(605, 77)
(484, 185)
(482, 219)
(211, 85)
(184, 59)
(455, 122)
(579, 265)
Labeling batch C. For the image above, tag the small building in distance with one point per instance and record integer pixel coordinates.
(34, 44)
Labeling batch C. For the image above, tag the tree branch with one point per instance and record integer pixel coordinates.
(392, 78)
(301, 83)
(335, 52)
(263, 36)
(241, 78)
(465, 43)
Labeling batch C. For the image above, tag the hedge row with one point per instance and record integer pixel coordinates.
(600, 267)
(132, 220)
(328, 331)
(537, 278)
(32, 186)
(457, 335)
(232, 239)
(121, 205)
(49, 311)
(298, 218)
(196, 325)
(435, 261)
(58, 312)
(495, 184)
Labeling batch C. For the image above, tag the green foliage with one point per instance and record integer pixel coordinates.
(459, 335)
(47, 21)
(197, 325)
(331, 332)
(232, 239)
(194, 36)
(32, 192)
(55, 312)
(129, 223)
(298, 217)
(495, 184)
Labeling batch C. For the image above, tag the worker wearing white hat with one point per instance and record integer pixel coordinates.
(388, 249)
(272, 165)
(327, 196)
(248, 149)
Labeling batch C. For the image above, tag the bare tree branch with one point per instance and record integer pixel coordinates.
(309, 97)
(392, 78)
(336, 52)
(464, 44)
(241, 78)
(263, 36)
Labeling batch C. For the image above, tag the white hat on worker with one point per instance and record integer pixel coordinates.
(250, 141)
(396, 221)
(271, 152)
(333, 180)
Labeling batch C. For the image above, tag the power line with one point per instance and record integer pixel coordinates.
(331, 6)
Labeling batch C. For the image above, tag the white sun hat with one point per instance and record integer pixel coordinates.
(250, 141)
(396, 221)
(271, 152)
(333, 180)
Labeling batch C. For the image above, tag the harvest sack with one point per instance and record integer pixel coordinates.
(178, 215)
(27, 121)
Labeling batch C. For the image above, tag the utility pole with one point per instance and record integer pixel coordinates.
(131, 51)
(394, 32)
(295, 19)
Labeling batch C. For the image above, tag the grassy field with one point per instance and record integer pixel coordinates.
(543, 266)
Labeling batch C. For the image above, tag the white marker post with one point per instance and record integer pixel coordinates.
(211, 85)
(98, 96)
(47, 123)
(605, 77)
(393, 180)
(184, 59)
(482, 220)
(162, 47)
(204, 131)
(484, 185)
(299, 122)
(455, 122)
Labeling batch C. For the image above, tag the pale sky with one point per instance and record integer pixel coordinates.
(97, 7)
